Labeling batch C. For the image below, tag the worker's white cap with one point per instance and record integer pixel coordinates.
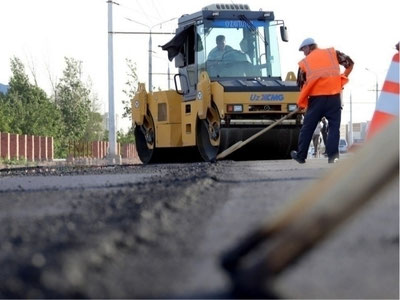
(307, 42)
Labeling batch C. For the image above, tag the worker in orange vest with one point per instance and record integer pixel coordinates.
(320, 80)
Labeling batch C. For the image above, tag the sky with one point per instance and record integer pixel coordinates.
(42, 32)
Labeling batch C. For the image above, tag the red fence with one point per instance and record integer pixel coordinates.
(98, 149)
(26, 147)
(41, 148)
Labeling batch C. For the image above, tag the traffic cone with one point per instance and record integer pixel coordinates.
(387, 107)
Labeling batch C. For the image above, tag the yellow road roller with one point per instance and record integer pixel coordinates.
(228, 87)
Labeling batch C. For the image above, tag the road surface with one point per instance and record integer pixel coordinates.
(159, 231)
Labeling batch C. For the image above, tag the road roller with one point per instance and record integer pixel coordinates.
(223, 93)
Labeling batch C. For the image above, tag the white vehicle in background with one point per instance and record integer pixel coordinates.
(343, 147)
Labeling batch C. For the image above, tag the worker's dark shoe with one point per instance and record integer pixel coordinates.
(333, 160)
(293, 154)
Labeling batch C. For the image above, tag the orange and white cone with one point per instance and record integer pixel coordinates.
(387, 107)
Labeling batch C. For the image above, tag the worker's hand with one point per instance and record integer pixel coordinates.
(302, 101)
(344, 79)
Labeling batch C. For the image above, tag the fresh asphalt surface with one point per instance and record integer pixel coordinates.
(158, 231)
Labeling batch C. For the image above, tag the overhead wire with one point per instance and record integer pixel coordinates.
(144, 11)
(140, 12)
(156, 9)
(148, 19)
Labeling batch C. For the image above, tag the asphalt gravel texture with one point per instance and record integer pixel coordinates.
(163, 236)
(106, 242)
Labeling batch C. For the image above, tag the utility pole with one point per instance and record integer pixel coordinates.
(169, 78)
(150, 63)
(376, 85)
(150, 76)
(351, 122)
(112, 153)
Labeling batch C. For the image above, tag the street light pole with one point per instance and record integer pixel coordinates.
(351, 121)
(376, 85)
(112, 153)
(169, 77)
(150, 76)
(150, 63)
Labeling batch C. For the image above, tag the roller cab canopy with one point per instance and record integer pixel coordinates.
(174, 46)
(252, 50)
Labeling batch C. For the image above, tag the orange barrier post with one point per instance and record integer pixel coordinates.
(387, 107)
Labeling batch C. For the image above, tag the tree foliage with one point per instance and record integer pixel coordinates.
(131, 88)
(94, 130)
(126, 138)
(73, 100)
(70, 114)
(122, 137)
(27, 107)
(5, 114)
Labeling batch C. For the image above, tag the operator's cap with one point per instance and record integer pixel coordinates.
(307, 42)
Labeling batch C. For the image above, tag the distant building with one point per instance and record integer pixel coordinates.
(4, 88)
(343, 131)
(359, 132)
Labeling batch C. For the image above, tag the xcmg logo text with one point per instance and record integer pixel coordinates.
(266, 97)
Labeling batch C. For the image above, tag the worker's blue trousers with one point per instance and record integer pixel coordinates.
(328, 106)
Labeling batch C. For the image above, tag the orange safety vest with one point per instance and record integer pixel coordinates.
(387, 107)
(322, 75)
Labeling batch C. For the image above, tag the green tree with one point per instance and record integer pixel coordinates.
(94, 130)
(122, 137)
(5, 114)
(126, 138)
(29, 109)
(131, 88)
(95, 126)
(72, 97)
(105, 135)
